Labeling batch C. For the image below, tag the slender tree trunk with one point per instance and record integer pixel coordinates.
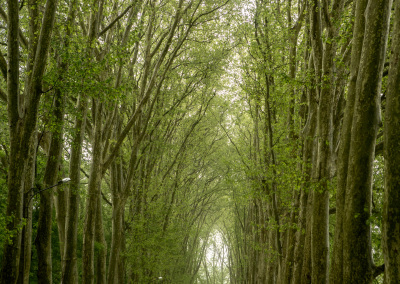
(60, 202)
(117, 223)
(61, 198)
(306, 268)
(320, 208)
(290, 242)
(101, 277)
(324, 67)
(91, 203)
(121, 260)
(336, 272)
(43, 238)
(70, 268)
(391, 212)
(308, 153)
(26, 242)
(357, 257)
(70, 271)
(11, 251)
(272, 251)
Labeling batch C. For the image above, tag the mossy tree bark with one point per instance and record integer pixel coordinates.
(391, 213)
(324, 54)
(336, 272)
(22, 113)
(26, 241)
(308, 156)
(357, 259)
(70, 266)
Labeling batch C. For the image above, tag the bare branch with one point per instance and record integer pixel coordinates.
(147, 91)
(233, 143)
(211, 11)
(115, 21)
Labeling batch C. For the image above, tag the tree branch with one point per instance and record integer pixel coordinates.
(105, 198)
(102, 194)
(297, 25)
(209, 12)
(22, 38)
(146, 92)
(115, 21)
(233, 143)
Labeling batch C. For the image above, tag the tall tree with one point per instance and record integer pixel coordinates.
(22, 121)
(391, 213)
(357, 260)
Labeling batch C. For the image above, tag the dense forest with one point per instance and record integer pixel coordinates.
(200, 141)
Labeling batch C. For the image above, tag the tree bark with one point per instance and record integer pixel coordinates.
(70, 269)
(43, 238)
(391, 212)
(101, 275)
(320, 208)
(26, 242)
(61, 198)
(357, 259)
(308, 158)
(336, 272)
(117, 222)
(11, 251)
(91, 202)
(22, 125)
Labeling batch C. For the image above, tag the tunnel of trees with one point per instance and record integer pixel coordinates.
(200, 141)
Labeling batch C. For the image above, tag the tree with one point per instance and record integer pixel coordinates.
(391, 204)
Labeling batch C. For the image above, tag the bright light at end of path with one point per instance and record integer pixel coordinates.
(216, 261)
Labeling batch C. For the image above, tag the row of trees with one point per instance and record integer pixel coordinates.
(124, 99)
(204, 141)
(317, 139)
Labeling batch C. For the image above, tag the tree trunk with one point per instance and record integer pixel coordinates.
(121, 260)
(43, 238)
(391, 212)
(22, 125)
(60, 202)
(308, 158)
(290, 242)
(91, 202)
(118, 207)
(357, 257)
(11, 251)
(70, 269)
(306, 268)
(61, 198)
(336, 272)
(26, 242)
(320, 208)
(101, 276)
